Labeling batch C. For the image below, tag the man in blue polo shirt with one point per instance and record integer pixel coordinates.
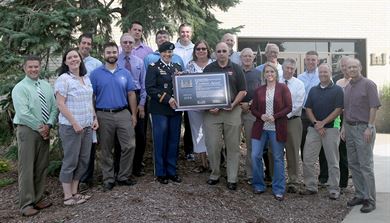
(113, 87)
(323, 105)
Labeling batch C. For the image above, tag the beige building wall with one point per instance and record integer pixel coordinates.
(334, 19)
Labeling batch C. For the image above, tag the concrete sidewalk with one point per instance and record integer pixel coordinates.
(382, 183)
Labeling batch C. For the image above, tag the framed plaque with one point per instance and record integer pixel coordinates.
(202, 91)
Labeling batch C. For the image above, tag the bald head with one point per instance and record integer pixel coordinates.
(354, 68)
(222, 53)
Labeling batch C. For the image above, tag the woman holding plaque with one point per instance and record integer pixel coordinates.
(271, 104)
(201, 58)
(166, 122)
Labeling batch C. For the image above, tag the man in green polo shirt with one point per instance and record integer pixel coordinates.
(35, 114)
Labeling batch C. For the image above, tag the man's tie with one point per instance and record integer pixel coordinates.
(127, 63)
(42, 99)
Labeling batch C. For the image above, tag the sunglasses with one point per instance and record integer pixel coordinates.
(221, 51)
(127, 42)
(201, 49)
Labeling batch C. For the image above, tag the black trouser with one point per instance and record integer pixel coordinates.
(88, 175)
(187, 139)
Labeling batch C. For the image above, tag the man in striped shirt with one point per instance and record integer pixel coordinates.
(35, 114)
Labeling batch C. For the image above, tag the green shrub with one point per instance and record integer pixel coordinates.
(6, 181)
(54, 168)
(4, 166)
(383, 114)
(12, 153)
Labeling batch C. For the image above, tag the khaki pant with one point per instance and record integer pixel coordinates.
(109, 124)
(247, 120)
(226, 124)
(293, 144)
(33, 160)
(330, 143)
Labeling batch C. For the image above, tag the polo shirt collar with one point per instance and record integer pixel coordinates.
(229, 64)
(357, 80)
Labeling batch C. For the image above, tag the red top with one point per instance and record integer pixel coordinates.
(282, 106)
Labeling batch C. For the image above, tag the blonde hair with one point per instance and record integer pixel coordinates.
(268, 64)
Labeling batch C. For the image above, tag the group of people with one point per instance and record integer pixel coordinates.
(277, 113)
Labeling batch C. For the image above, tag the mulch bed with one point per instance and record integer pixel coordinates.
(191, 201)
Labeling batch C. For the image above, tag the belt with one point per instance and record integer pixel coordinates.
(111, 110)
(294, 117)
(356, 123)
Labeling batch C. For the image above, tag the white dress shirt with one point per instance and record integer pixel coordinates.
(297, 89)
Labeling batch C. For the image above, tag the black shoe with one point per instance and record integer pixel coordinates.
(367, 207)
(355, 201)
(139, 173)
(307, 192)
(212, 182)
(175, 179)
(291, 189)
(162, 180)
(128, 182)
(231, 186)
(108, 186)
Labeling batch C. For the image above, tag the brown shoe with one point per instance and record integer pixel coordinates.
(42, 205)
(29, 211)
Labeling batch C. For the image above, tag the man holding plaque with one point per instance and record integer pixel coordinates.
(225, 122)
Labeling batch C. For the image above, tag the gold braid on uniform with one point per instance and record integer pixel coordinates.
(162, 97)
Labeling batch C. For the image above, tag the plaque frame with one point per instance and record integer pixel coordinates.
(190, 92)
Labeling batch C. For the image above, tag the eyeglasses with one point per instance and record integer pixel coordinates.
(127, 42)
(201, 49)
(221, 51)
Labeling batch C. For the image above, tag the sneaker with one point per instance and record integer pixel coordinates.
(334, 196)
(355, 201)
(367, 207)
(279, 197)
(190, 157)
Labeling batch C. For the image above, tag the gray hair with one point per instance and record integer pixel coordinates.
(269, 45)
(247, 50)
(341, 59)
(289, 61)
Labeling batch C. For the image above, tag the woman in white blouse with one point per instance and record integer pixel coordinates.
(77, 119)
(201, 58)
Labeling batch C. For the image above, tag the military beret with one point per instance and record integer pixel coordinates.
(166, 46)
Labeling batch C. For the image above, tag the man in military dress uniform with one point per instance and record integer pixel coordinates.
(165, 120)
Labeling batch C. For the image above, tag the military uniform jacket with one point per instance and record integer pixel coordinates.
(159, 87)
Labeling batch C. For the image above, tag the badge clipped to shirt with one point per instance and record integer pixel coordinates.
(230, 73)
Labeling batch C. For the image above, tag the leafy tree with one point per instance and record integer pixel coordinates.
(45, 28)
(169, 14)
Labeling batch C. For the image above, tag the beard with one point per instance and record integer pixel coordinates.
(111, 60)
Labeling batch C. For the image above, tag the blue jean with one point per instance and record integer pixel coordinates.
(278, 180)
(166, 136)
